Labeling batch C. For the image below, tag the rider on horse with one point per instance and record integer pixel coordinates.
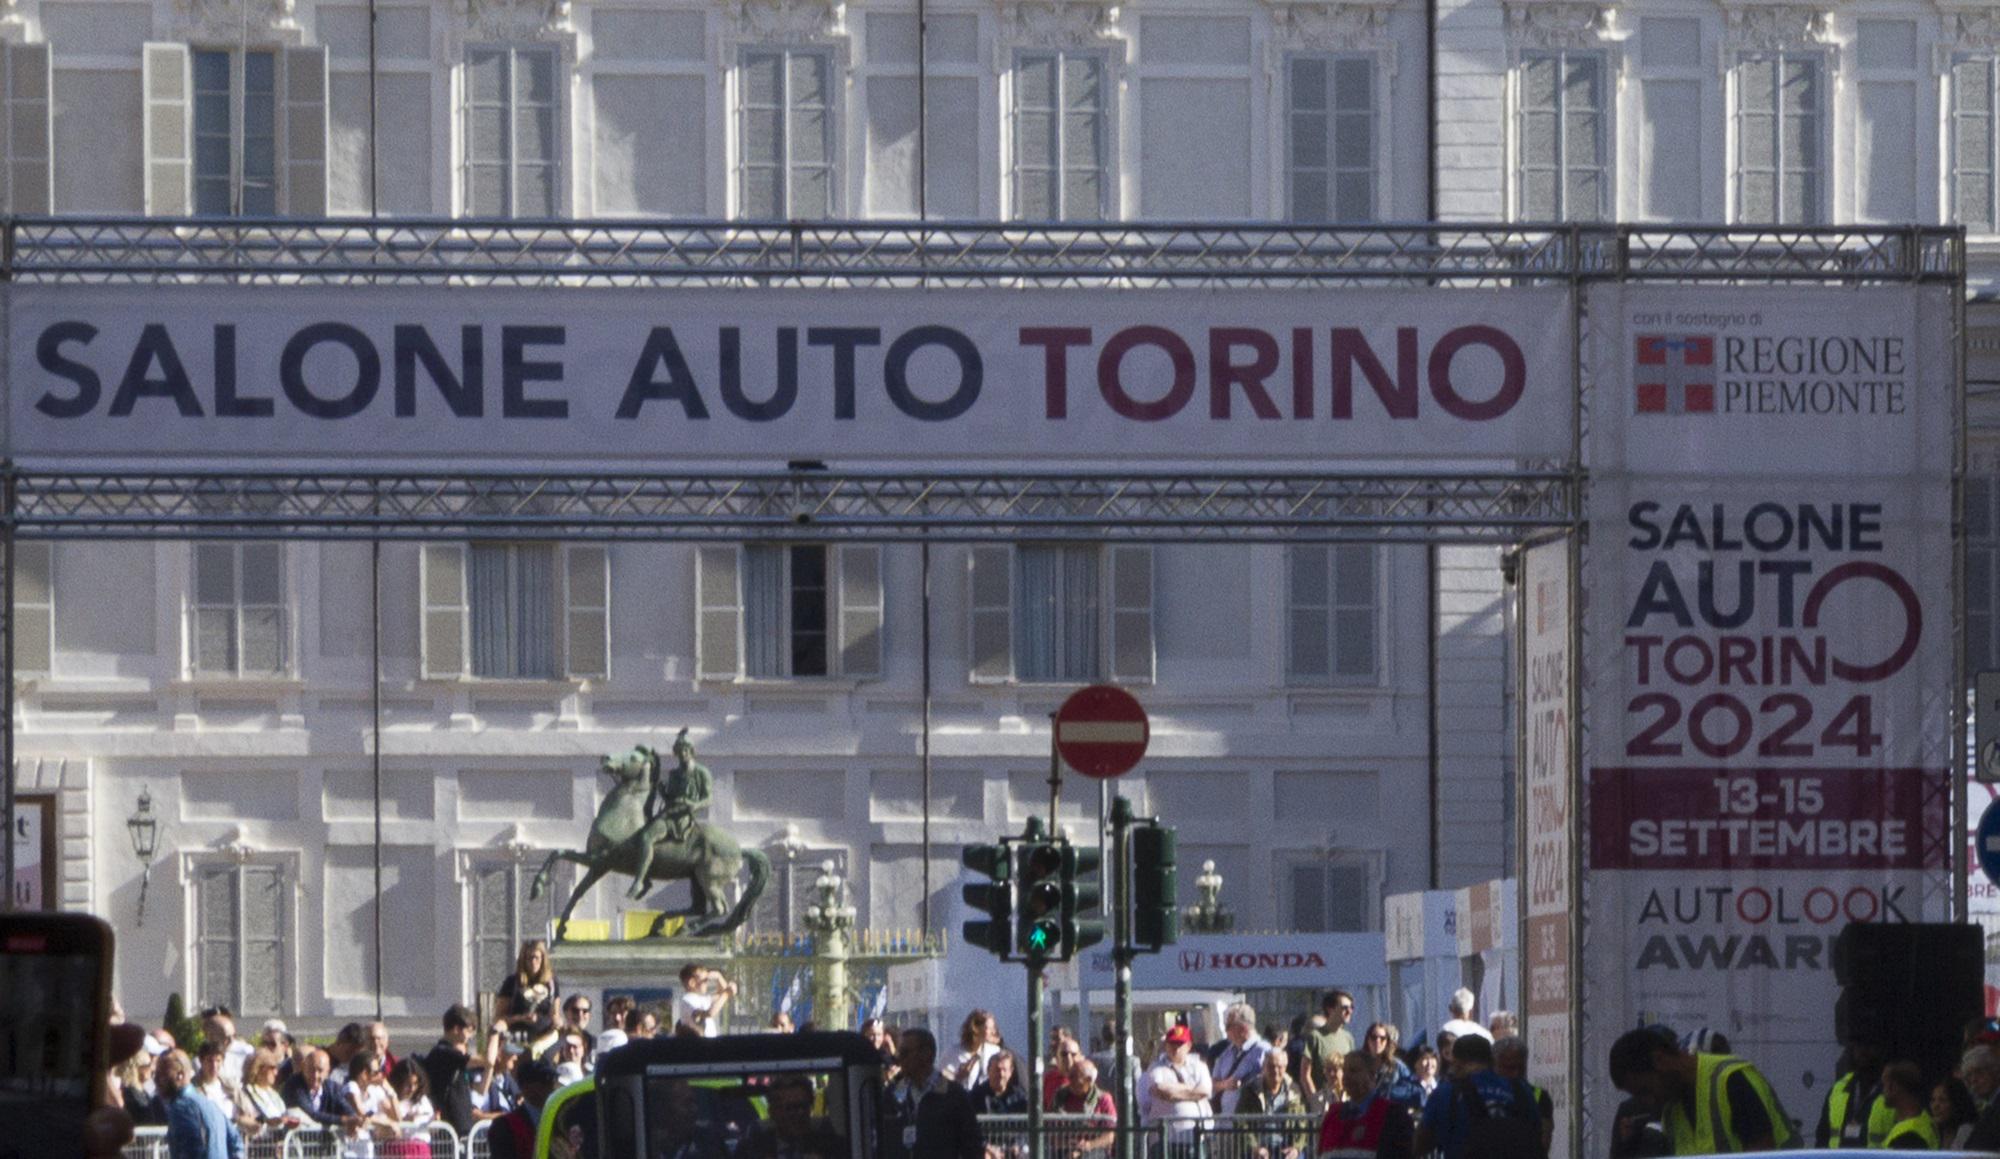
(674, 799)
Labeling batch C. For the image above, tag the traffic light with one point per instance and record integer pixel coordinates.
(993, 898)
(1156, 921)
(1082, 898)
(1040, 920)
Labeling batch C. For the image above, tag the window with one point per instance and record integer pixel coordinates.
(1778, 138)
(1982, 568)
(1059, 137)
(1561, 143)
(34, 606)
(1330, 606)
(1975, 81)
(1062, 612)
(240, 915)
(504, 916)
(785, 138)
(234, 132)
(774, 611)
(1326, 896)
(1672, 157)
(512, 146)
(29, 129)
(237, 622)
(1330, 139)
(506, 611)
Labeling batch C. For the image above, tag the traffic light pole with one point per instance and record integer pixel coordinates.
(1121, 960)
(1037, 1146)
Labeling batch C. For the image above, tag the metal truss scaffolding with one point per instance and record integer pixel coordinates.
(1459, 502)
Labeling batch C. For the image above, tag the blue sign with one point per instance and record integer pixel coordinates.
(1986, 842)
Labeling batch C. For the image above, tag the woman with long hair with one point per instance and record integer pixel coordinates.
(1953, 1112)
(978, 1042)
(410, 1086)
(369, 1094)
(257, 1100)
(532, 983)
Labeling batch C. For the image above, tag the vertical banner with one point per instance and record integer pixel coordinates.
(1770, 658)
(1549, 627)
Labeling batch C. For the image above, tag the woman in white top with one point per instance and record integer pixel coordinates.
(369, 1094)
(411, 1087)
(258, 1102)
(978, 1042)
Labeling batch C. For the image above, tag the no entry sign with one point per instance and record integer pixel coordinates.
(1101, 731)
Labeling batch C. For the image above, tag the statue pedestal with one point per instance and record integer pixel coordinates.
(650, 964)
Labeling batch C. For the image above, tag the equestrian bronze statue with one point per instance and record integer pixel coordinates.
(652, 828)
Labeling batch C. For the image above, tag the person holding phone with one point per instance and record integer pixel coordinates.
(258, 1103)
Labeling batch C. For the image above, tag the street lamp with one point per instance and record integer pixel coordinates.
(145, 831)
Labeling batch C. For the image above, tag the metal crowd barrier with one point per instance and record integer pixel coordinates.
(475, 1139)
(435, 1140)
(1230, 1137)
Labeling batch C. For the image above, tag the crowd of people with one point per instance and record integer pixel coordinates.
(1307, 1091)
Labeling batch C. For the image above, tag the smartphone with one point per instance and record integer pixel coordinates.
(55, 971)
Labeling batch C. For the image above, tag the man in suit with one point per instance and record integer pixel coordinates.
(513, 1134)
(315, 1097)
(924, 1116)
(196, 1126)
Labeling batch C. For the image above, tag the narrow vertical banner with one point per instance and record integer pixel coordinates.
(1549, 994)
(1770, 659)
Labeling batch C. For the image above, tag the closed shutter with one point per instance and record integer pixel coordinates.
(1132, 656)
(860, 610)
(305, 127)
(262, 640)
(445, 611)
(495, 925)
(1972, 146)
(718, 614)
(990, 572)
(167, 126)
(263, 895)
(587, 592)
(27, 128)
(215, 932)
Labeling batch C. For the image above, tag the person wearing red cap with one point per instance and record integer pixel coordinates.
(1176, 1088)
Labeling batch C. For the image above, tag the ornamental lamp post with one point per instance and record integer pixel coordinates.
(145, 830)
(1209, 915)
(830, 920)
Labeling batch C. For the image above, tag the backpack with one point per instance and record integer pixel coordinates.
(1513, 1131)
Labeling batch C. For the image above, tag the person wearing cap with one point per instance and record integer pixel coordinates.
(1710, 1103)
(513, 1134)
(1175, 1090)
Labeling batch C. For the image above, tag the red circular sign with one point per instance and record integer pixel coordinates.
(1101, 731)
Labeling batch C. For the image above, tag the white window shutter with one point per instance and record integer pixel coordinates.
(718, 641)
(990, 572)
(587, 625)
(1132, 614)
(168, 129)
(446, 610)
(302, 87)
(861, 610)
(27, 128)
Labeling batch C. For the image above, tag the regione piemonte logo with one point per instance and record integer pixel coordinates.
(1675, 374)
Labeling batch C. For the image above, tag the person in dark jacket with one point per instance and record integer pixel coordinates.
(445, 1061)
(923, 1115)
(513, 1134)
(1001, 1093)
(316, 1097)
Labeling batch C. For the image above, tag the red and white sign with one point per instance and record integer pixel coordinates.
(1101, 731)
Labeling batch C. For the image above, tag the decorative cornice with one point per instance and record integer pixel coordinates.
(1975, 30)
(1331, 27)
(1773, 27)
(229, 21)
(516, 19)
(1557, 23)
(788, 20)
(1057, 23)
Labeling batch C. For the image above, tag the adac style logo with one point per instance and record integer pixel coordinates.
(1674, 374)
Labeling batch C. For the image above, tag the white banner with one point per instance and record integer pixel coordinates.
(1547, 625)
(1770, 648)
(1250, 962)
(640, 380)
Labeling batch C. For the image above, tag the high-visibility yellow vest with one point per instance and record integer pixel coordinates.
(1920, 1125)
(1710, 1131)
(1881, 1116)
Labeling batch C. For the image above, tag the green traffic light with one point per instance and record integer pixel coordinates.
(1039, 940)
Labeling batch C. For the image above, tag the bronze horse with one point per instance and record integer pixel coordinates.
(707, 858)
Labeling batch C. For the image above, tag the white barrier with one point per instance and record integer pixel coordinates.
(475, 1139)
(435, 1140)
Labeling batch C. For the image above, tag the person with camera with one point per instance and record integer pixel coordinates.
(704, 993)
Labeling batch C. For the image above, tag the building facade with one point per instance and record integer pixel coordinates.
(1310, 736)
